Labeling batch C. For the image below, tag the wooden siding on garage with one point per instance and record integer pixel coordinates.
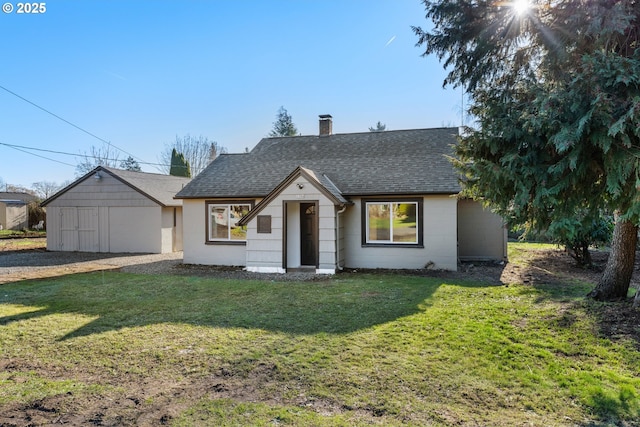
(68, 218)
(88, 237)
(106, 191)
(73, 229)
(107, 215)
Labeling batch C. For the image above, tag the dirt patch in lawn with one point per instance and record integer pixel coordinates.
(27, 244)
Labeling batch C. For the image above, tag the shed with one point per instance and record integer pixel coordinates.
(113, 210)
(13, 214)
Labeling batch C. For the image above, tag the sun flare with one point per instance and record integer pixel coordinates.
(521, 7)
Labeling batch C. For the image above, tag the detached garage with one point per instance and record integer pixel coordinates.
(112, 210)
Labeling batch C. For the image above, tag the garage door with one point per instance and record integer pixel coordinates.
(79, 229)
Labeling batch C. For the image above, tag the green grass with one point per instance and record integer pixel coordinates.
(353, 350)
(7, 234)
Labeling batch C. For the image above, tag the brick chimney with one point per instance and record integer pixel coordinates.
(326, 124)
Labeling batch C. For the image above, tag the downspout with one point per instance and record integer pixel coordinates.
(338, 213)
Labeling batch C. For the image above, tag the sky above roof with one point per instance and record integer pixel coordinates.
(139, 73)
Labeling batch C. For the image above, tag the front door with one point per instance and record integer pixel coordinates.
(308, 234)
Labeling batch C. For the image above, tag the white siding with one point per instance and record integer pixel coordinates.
(264, 251)
(135, 229)
(341, 239)
(196, 251)
(106, 191)
(167, 230)
(439, 231)
(53, 229)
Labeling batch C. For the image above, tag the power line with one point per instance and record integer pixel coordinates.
(23, 148)
(66, 121)
(37, 155)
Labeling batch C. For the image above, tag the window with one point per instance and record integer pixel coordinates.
(222, 222)
(392, 222)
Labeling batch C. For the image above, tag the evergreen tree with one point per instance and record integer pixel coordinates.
(379, 127)
(130, 164)
(556, 94)
(179, 166)
(283, 126)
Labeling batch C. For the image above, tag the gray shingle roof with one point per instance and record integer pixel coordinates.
(157, 187)
(371, 163)
(161, 188)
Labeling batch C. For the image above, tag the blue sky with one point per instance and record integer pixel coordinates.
(138, 73)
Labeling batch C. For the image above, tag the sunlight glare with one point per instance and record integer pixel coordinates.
(521, 7)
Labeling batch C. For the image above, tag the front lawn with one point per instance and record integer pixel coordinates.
(357, 349)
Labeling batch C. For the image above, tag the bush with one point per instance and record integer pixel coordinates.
(36, 213)
(577, 234)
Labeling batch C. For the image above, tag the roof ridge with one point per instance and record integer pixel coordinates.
(116, 170)
(361, 132)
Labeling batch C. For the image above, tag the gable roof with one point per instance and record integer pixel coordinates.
(369, 163)
(159, 188)
(320, 182)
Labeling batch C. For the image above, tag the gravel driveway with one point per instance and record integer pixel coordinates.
(36, 264)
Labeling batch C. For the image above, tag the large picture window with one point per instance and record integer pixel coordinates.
(392, 222)
(222, 222)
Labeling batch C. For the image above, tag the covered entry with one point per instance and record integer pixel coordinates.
(296, 226)
(302, 235)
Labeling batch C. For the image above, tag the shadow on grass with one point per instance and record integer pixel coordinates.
(42, 258)
(118, 300)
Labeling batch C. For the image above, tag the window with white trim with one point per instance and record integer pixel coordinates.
(222, 222)
(387, 222)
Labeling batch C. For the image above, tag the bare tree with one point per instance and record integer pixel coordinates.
(46, 189)
(97, 156)
(198, 152)
(13, 188)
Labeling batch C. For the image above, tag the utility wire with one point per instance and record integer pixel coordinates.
(37, 155)
(23, 148)
(66, 121)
